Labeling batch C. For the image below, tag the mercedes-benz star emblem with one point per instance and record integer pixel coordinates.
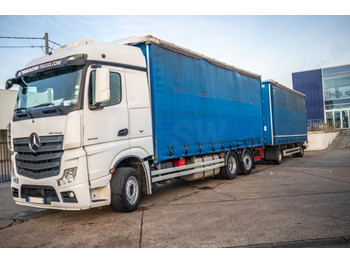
(34, 142)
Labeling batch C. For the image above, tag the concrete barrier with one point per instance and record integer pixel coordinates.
(320, 140)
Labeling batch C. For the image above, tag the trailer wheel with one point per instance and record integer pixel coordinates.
(125, 190)
(230, 170)
(279, 156)
(247, 162)
(301, 153)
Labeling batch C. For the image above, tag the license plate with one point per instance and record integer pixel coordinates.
(37, 200)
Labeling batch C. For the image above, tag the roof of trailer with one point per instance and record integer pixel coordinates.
(187, 52)
(284, 87)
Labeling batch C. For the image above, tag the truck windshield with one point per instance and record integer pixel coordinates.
(58, 87)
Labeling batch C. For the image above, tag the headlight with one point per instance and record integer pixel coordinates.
(68, 176)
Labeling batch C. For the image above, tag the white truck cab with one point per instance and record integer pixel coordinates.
(80, 113)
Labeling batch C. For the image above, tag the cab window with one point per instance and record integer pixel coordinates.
(115, 89)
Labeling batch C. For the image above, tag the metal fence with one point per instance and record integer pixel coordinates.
(5, 163)
(320, 125)
(314, 122)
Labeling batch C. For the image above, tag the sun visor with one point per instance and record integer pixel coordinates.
(73, 60)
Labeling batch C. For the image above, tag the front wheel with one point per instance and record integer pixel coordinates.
(125, 190)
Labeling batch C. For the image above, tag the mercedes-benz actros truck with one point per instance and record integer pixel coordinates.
(100, 124)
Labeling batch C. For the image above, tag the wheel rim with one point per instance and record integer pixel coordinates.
(247, 162)
(279, 155)
(232, 165)
(132, 190)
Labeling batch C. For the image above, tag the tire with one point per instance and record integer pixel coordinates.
(247, 163)
(230, 170)
(125, 190)
(301, 153)
(279, 157)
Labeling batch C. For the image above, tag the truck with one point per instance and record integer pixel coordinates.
(98, 124)
(284, 119)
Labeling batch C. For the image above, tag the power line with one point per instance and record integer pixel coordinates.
(47, 41)
(21, 46)
(21, 37)
(54, 43)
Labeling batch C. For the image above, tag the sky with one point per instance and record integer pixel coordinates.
(272, 46)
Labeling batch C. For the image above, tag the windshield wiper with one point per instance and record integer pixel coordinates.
(44, 104)
(50, 104)
(20, 109)
(25, 109)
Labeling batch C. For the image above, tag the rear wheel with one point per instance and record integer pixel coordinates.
(279, 156)
(125, 190)
(247, 162)
(230, 170)
(301, 153)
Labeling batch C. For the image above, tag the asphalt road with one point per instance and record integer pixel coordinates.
(305, 202)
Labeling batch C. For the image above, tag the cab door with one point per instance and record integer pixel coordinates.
(106, 126)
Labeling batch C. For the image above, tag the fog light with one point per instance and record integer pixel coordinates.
(68, 176)
(71, 194)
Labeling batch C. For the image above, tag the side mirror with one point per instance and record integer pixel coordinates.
(102, 90)
(9, 84)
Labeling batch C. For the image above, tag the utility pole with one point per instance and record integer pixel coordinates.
(46, 43)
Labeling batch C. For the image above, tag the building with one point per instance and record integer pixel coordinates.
(327, 93)
(7, 105)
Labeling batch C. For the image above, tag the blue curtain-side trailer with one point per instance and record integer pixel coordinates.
(284, 121)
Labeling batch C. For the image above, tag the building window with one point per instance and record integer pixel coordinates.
(330, 118)
(336, 86)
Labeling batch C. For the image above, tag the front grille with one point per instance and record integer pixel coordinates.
(44, 163)
(46, 192)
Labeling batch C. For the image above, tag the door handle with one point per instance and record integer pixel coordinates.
(123, 132)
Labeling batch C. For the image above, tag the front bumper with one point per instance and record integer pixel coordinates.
(46, 193)
(81, 193)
